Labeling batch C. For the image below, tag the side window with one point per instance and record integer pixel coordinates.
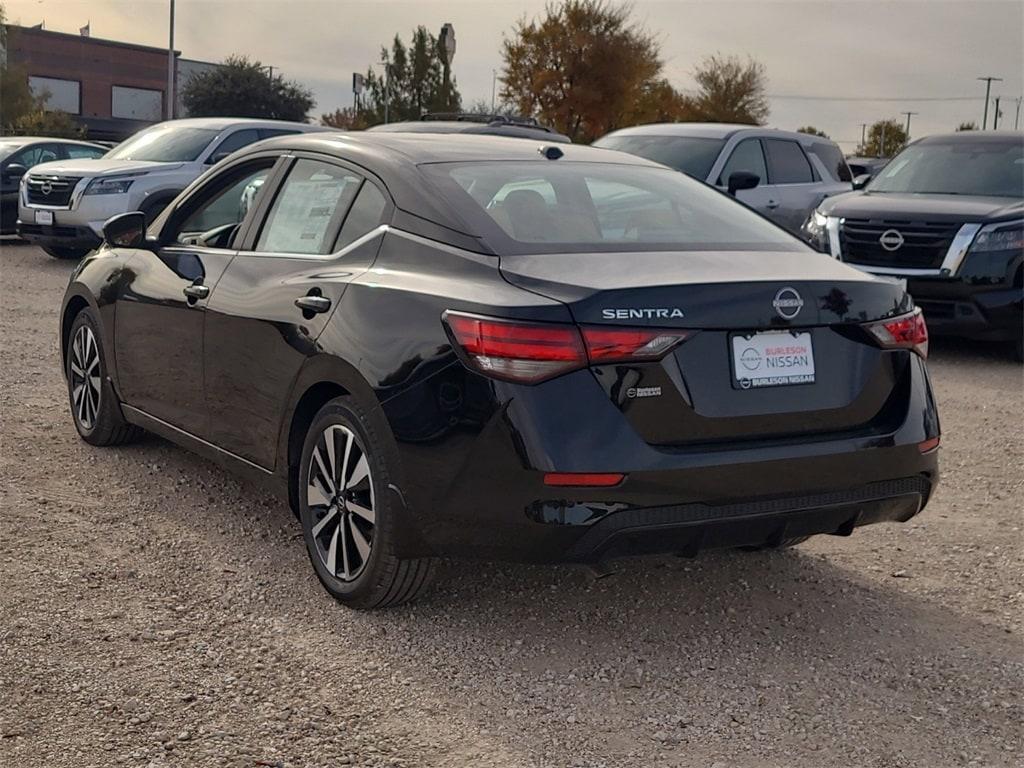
(313, 197)
(365, 214)
(747, 156)
(229, 199)
(75, 151)
(34, 155)
(234, 142)
(832, 158)
(788, 163)
(269, 133)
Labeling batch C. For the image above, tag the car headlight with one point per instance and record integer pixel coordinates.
(115, 186)
(815, 231)
(999, 237)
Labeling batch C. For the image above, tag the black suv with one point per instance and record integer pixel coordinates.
(470, 122)
(947, 214)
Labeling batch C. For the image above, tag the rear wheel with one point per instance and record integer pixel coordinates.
(94, 406)
(347, 514)
(59, 252)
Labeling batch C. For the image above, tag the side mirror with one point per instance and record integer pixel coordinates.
(126, 230)
(216, 157)
(15, 171)
(859, 182)
(742, 180)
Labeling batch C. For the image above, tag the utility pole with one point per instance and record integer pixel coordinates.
(494, 88)
(908, 114)
(863, 135)
(1016, 120)
(988, 92)
(995, 116)
(387, 84)
(170, 67)
(881, 146)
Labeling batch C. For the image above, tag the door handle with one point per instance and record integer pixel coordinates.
(313, 303)
(196, 292)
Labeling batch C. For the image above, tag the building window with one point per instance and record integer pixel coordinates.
(136, 103)
(61, 95)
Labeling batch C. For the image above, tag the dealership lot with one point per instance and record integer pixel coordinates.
(156, 611)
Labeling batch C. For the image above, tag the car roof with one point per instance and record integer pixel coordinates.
(496, 128)
(974, 137)
(714, 131)
(220, 123)
(22, 141)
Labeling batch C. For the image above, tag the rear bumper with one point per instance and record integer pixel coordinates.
(483, 495)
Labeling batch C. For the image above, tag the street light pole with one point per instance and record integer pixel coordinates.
(170, 67)
(908, 114)
(988, 91)
(863, 135)
(494, 87)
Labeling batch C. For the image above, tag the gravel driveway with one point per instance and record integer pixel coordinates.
(155, 611)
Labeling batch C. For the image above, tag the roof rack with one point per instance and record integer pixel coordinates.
(489, 119)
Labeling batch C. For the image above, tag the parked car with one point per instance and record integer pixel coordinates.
(63, 205)
(467, 122)
(502, 348)
(795, 171)
(19, 153)
(946, 214)
(866, 166)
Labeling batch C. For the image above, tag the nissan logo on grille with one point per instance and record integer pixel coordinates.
(46, 188)
(787, 303)
(891, 240)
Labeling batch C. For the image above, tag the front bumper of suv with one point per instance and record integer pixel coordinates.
(76, 225)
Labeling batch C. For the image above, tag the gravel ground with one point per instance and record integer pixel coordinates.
(155, 611)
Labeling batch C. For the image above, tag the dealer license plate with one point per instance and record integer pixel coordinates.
(44, 217)
(772, 359)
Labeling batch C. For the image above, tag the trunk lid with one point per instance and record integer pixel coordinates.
(696, 395)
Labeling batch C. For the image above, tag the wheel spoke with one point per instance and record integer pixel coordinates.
(360, 473)
(343, 470)
(332, 512)
(363, 512)
(315, 495)
(75, 369)
(323, 470)
(332, 553)
(331, 456)
(361, 542)
(343, 527)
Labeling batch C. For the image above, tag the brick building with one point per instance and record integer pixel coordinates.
(111, 88)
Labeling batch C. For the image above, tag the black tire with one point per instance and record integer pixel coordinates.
(1018, 350)
(99, 421)
(331, 526)
(67, 254)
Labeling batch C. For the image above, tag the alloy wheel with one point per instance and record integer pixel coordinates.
(339, 494)
(85, 377)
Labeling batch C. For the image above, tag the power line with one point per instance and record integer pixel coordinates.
(798, 97)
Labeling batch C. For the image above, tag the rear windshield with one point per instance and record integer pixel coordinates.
(986, 169)
(164, 144)
(559, 207)
(832, 158)
(690, 155)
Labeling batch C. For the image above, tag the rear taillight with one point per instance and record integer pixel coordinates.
(533, 352)
(905, 332)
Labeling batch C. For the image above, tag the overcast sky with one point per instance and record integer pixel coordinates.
(904, 50)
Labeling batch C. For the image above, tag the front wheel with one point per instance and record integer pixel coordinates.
(348, 516)
(59, 252)
(94, 406)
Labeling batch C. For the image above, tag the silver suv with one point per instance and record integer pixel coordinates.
(795, 171)
(63, 205)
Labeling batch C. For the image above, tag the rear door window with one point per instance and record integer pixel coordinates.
(366, 213)
(235, 141)
(788, 163)
(312, 200)
(747, 156)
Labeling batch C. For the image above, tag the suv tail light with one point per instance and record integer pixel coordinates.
(533, 352)
(905, 332)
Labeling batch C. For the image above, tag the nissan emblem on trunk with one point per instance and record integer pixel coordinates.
(787, 303)
(891, 240)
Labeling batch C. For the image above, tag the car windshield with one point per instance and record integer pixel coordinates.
(693, 156)
(164, 144)
(984, 168)
(559, 207)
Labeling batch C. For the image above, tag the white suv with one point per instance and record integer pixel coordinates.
(63, 205)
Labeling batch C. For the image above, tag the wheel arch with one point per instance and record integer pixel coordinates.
(73, 305)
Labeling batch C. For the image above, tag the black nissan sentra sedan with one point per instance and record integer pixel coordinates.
(501, 348)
